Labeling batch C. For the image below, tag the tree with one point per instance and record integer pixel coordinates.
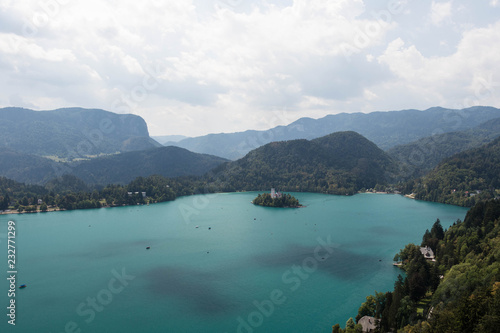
(367, 308)
(350, 324)
(426, 238)
(437, 230)
(4, 202)
(43, 207)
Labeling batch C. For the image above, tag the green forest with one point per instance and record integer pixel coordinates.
(458, 292)
(339, 163)
(69, 192)
(463, 179)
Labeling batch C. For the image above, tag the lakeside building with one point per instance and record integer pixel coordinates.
(275, 194)
(428, 253)
(368, 323)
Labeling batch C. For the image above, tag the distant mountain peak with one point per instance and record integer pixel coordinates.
(72, 132)
(385, 128)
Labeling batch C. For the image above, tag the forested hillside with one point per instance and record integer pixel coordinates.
(125, 167)
(112, 169)
(340, 163)
(421, 156)
(459, 292)
(463, 179)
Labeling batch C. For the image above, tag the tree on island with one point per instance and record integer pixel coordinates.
(285, 200)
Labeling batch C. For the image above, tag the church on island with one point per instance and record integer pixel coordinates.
(275, 194)
(276, 199)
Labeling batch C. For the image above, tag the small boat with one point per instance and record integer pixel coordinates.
(197, 226)
(148, 247)
(22, 286)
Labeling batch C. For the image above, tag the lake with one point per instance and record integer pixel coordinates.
(216, 263)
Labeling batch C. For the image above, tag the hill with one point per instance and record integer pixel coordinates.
(463, 179)
(385, 129)
(112, 169)
(419, 157)
(26, 168)
(72, 133)
(165, 161)
(339, 163)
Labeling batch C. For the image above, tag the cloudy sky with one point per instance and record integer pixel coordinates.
(194, 67)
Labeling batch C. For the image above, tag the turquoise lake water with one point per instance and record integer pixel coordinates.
(217, 263)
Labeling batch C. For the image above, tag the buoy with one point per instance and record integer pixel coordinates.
(209, 228)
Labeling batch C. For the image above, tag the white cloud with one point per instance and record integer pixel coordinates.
(452, 80)
(440, 12)
(191, 67)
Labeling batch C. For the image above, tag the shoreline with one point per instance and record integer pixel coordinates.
(50, 210)
(300, 206)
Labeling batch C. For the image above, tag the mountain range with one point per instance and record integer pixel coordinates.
(339, 162)
(385, 129)
(421, 156)
(72, 133)
(166, 139)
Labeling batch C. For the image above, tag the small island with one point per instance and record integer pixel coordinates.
(276, 199)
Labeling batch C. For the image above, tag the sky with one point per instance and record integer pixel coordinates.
(193, 67)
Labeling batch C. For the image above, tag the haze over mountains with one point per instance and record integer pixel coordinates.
(385, 129)
(108, 148)
(165, 139)
(72, 133)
